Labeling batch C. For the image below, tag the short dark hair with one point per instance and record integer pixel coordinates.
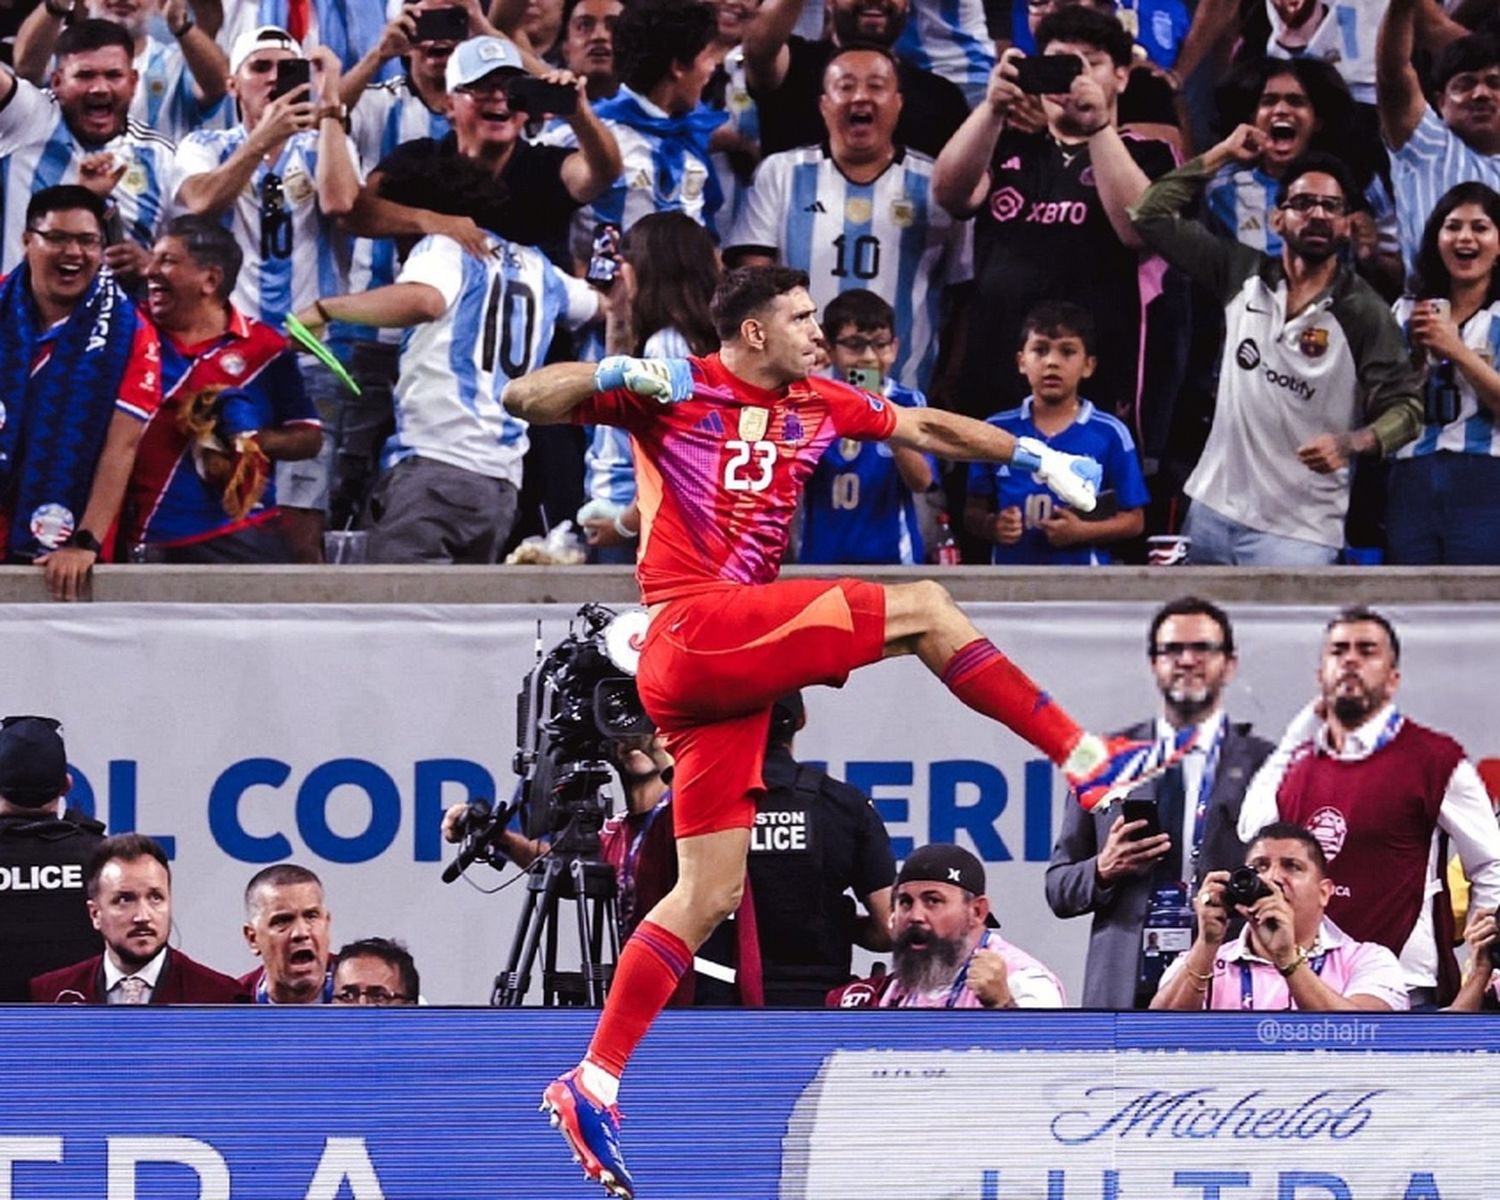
(1088, 27)
(653, 35)
(746, 291)
(277, 875)
(1290, 831)
(1471, 53)
(1192, 606)
(94, 34)
(1361, 612)
(861, 308)
(1059, 318)
(65, 197)
(388, 951)
(209, 244)
(1317, 161)
(124, 847)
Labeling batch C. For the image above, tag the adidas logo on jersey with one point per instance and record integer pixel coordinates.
(815, 207)
(710, 424)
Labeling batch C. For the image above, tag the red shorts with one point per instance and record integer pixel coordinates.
(713, 665)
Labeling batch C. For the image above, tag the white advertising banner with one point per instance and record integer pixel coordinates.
(334, 736)
(1152, 1125)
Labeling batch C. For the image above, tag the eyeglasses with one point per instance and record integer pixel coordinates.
(59, 240)
(1334, 206)
(1178, 649)
(858, 345)
(275, 221)
(369, 995)
(50, 722)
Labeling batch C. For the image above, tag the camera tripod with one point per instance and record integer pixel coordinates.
(573, 871)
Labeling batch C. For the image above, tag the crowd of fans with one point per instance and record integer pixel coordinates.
(1243, 252)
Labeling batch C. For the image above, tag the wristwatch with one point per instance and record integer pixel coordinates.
(185, 28)
(334, 112)
(82, 539)
(1291, 968)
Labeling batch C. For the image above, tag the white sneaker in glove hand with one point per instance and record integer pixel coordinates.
(1075, 478)
(667, 380)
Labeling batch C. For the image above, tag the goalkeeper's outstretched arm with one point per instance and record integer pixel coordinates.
(548, 395)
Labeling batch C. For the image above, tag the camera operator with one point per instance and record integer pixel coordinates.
(1290, 955)
(638, 844)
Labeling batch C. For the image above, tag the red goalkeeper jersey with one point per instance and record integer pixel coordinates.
(718, 476)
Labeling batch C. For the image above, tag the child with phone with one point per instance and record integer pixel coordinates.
(861, 502)
(1015, 512)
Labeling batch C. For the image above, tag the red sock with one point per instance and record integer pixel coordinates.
(650, 965)
(988, 682)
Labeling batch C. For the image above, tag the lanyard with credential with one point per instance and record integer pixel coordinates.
(1205, 794)
(1247, 981)
(633, 851)
(962, 979)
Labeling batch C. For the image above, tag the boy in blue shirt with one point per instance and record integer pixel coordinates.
(1015, 512)
(860, 505)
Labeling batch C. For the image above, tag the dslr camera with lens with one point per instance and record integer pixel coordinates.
(1245, 887)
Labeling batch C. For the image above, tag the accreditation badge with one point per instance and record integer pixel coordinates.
(753, 423)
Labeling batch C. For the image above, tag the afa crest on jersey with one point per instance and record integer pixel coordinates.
(753, 423)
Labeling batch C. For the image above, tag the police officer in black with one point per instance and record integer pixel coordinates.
(44, 852)
(815, 839)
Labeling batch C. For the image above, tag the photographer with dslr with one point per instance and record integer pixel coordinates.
(1290, 955)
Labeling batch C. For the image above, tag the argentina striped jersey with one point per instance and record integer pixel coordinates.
(38, 150)
(889, 236)
(499, 316)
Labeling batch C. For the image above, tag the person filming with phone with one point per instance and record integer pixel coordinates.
(282, 179)
(861, 503)
(1289, 955)
(1134, 870)
(1049, 208)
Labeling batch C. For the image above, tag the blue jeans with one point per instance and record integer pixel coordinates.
(1444, 508)
(1218, 541)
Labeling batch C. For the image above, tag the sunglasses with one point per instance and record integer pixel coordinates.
(275, 220)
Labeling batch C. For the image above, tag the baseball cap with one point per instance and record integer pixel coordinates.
(263, 37)
(943, 863)
(472, 60)
(33, 763)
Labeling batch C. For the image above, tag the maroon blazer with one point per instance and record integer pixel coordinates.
(182, 981)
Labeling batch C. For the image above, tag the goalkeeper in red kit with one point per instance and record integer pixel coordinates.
(723, 446)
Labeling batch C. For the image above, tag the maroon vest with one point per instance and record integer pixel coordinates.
(1375, 818)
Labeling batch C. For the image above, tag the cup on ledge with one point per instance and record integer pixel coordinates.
(1167, 550)
(345, 547)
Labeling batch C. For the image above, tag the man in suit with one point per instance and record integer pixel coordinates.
(1137, 884)
(129, 886)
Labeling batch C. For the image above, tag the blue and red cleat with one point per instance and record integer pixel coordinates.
(1124, 764)
(592, 1131)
